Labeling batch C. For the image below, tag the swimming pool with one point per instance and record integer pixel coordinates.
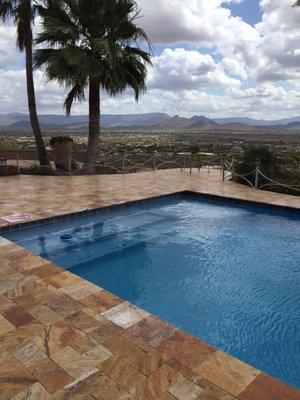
(228, 274)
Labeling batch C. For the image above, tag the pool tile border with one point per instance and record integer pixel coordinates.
(249, 203)
(147, 200)
(91, 211)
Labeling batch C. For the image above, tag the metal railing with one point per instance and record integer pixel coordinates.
(120, 164)
(124, 164)
(261, 181)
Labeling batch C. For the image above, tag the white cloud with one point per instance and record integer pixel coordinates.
(276, 103)
(201, 22)
(280, 32)
(13, 97)
(181, 69)
(8, 51)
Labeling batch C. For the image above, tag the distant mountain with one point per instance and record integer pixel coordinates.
(256, 122)
(148, 122)
(52, 119)
(175, 122)
(237, 126)
(6, 120)
(201, 122)
(134, 119)
(106, 119)
(25, 125)
(293, 125)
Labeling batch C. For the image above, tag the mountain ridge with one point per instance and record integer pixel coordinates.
(257, 122)
(148, 121)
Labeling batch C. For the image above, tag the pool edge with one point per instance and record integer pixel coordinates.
(145, 200)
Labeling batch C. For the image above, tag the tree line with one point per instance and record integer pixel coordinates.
(85, 45)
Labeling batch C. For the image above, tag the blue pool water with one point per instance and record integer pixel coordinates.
(227, 274)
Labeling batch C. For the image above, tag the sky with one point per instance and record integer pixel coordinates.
(248, 10)
(218, 58)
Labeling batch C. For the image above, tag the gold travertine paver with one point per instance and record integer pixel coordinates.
(34, 392)
(185, 390)
(227, 372)
(125, 315)
(62, 338)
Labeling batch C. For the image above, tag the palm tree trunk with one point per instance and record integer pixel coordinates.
(94, 124)
(42, 153)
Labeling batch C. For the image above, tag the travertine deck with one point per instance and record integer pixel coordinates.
(64, 338)
(49, 196)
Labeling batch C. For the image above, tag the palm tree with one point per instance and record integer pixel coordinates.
(93, 44)
(22, 12)
(297, 4)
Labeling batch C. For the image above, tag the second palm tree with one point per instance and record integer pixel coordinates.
(93, 44)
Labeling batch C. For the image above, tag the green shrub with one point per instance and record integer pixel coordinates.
(75, 166)
(195, 149)
(38, 170)
(247, 163)
(60, 140)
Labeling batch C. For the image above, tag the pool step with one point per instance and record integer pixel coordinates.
(86, 234)
(105, 245)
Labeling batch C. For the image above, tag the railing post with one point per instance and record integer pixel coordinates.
(123, 164)
(154, 162)
(257, 165)
(233, 169)
(256, 177)
(223, 168)
(70, 165)
(18, 166)
(191, 164)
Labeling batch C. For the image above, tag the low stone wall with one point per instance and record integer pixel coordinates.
(8, 170)
(32, 155)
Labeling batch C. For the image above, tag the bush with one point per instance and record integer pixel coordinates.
(195, 149)
(60, 140)
(75, 166)
(247, 163)
(37, 170)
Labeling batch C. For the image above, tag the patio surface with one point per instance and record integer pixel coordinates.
(64, 338)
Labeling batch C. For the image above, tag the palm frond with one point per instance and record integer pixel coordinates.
(93, 40)
(6, 9)
(76, 93)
